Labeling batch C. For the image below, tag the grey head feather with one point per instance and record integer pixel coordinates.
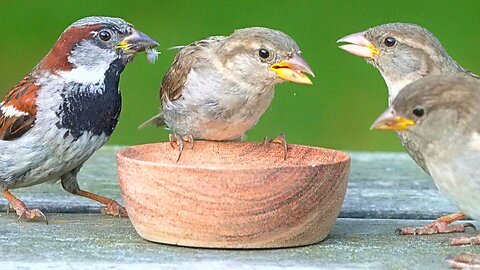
(407, 30)
(459, 92)
(120, 24)
(278, 39)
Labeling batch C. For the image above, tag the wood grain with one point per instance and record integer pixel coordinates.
(233, 195)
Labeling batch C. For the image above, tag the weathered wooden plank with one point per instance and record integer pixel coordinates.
(381, 185)
(77, 241)
(391, 185)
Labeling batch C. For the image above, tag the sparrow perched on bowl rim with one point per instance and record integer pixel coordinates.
(405, 53)
(65, 109)
(442, 114)
(219, 87)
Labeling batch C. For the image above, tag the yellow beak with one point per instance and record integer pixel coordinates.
(390, 121)
(293, 70)
(359, 45)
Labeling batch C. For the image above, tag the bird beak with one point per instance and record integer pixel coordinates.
(293, 70)
(390, 121)
(359, 45)
(136, 42)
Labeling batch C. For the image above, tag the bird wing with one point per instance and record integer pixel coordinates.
(18, 109)
(174, 80)
(176, 77)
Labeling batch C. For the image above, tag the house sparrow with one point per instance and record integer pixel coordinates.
(442, 114)
(404, 53)
(218, 88)
(65, 109)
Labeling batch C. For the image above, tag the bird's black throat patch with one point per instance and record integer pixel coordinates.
(92, 108)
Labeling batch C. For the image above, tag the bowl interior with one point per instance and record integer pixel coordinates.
(230, 155)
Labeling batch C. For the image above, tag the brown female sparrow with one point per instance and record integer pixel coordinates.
(442, 114)
(65, 109)
(218, 88)
(404, 53)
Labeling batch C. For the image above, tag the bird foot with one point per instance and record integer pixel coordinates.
(436, 227)
(180, 142)
(465, 260)
(459, 241)
(114, 209)
(31, 214)
(280, 139)
(21, 209)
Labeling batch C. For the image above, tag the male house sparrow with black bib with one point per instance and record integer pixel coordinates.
(65, 109)
(441, 114)
(404, 53)
(218, 88)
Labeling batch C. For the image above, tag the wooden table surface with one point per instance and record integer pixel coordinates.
(386, 191)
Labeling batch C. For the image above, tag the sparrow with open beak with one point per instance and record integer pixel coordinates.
(404, 53)
(218, 88)
(442, 114)
(65, 109)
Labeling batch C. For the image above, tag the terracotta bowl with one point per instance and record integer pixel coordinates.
(233, 195)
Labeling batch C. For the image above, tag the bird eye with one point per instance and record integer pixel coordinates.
(105, 35)
(264, 53)
(389, 41)
(418, 112)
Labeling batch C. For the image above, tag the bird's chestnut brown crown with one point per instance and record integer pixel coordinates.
(94, 41)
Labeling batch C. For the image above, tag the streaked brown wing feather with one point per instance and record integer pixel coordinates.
(13, 128)
(22, 97)
(174, 80)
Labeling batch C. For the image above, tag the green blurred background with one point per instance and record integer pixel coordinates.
(337, 111)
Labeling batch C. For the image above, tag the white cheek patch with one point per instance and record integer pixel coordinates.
(10, 111)
(85, 75)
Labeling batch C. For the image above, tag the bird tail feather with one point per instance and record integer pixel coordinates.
(157, 120)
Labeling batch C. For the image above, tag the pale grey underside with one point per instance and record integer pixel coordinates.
(44, 153)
